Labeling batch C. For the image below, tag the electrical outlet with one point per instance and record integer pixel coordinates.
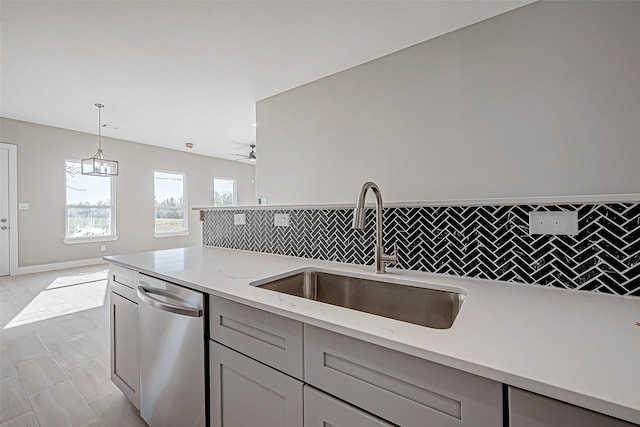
(103, 248)
(554, 222)
(239, 219)
(23, 206)
(281, 219)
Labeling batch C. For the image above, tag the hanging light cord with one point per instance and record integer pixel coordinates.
(100, 128)
(100, 155)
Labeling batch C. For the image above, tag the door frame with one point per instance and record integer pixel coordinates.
(13, 207)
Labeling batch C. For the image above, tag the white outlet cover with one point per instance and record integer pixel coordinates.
(23, 206)
(560, 223)
(281, 219)
(239, 219)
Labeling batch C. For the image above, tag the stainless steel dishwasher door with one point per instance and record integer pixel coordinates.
(172, 358)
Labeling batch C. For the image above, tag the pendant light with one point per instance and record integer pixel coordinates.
(98, 165)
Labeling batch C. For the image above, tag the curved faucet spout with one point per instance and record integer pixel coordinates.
(358, 223)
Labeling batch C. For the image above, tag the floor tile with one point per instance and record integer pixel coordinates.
(92, 379)
(26, 420)
(13, 402)
(24, 348)
(114, 410)
(61, 406)
(39, 373)
(79, 348)
(7, 368)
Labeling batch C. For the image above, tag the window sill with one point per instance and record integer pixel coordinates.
(179, 233)
(80, 240)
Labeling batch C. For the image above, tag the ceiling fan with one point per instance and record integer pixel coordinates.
(251, 156)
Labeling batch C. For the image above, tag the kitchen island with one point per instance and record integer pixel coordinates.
(577, 347)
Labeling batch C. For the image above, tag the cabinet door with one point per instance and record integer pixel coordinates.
(125, 360)
(528, 409)
(247, 393)
(321, 410)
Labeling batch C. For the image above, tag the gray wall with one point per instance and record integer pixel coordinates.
(540, 101)
(42, 151)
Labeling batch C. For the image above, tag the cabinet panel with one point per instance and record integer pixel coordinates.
(398, 387)
(123, 281)
(322, 410)
(528, 409)
(267, 337)
(245, 392)
(125, 361)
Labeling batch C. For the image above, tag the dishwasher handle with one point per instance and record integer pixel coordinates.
(146, 295)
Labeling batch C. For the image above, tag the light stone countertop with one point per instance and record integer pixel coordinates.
(575, 346)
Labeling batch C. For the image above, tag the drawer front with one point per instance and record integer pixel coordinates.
(267, 337)
(322, 410)
(397, 387)
(247, 393)
(528, 409)
(123, 282)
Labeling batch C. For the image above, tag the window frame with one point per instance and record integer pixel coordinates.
(69, 240)
(185, 206)
(234, 201)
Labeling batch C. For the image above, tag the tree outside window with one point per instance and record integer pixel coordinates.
(170, 205)
(224, 192)
(90, 213)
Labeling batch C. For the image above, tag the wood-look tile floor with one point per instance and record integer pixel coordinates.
(54, 352)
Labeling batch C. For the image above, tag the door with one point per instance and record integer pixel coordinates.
(125, 362)
(4, 212)
(246, 393)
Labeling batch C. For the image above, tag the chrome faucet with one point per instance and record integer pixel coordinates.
(358, 223)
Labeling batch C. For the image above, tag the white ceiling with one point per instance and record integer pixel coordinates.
(173, 72)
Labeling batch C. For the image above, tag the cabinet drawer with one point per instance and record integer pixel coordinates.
(247, 393)
(397, 387)
(321, 410)
(267, 337)
(123, 282)
(528, 409)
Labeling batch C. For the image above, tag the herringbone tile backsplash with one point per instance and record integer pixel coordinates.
(488, 242)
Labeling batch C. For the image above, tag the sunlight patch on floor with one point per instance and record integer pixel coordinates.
(65, 295)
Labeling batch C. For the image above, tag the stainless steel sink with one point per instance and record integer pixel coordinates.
(421, 306)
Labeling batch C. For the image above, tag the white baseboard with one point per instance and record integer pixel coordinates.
(59, 265)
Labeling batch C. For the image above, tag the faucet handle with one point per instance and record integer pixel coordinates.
(393, 258)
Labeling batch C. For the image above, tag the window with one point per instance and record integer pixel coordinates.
(224, 193)
(90, 211)
(170, 203)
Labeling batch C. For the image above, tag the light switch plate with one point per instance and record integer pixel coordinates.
(554, 222)
(281, 219)
(239, 219)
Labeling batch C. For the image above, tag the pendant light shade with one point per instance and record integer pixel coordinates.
(98, 165)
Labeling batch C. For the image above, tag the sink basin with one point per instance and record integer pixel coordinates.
(421, 306)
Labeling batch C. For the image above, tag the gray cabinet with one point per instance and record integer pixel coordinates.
(397, 387)
(125, 360)
(528, 409)
(245, 392)
(322, 410)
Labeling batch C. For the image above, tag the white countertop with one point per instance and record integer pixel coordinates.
(575, 346)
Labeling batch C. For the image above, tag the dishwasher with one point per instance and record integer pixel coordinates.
(172, 354)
